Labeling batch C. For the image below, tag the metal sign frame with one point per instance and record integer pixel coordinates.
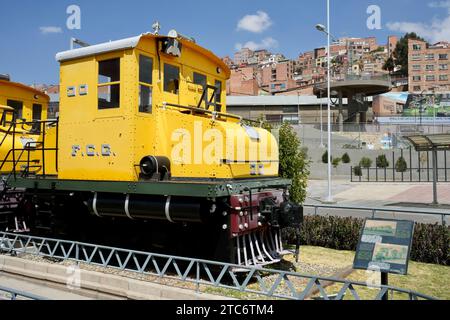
(358, 266)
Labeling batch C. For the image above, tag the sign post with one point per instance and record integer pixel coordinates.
(385, 282)
(385, 246)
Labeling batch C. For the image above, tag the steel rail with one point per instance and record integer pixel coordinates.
(285, 285)
(15, 294)
(374, 211)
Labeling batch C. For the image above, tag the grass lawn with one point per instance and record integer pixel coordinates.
(432, 280)
(429, 279)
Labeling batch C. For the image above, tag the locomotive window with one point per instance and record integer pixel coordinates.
(37, 116)
(109, 71)
(219, 90)
(171, 78)
(145, 69)
(37, 112)
(200, 79)
(109, 84)
(145, 99)
(145, 84)
(17, 106)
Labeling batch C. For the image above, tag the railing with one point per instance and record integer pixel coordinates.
(391, 175)
(214, 114)
(418, 168)
(17, 295)
(38, 146)
(256, 280)
(375, 211)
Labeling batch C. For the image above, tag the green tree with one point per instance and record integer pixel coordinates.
(401, 165)
(336, 162)
(294, 164)
(346, 158)
(382, 161)
(401, 52)
(357, 171)
(365, 163)
(325, 157)
(389, 65)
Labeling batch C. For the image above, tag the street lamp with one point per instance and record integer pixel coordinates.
(321, 120)
(322, 28)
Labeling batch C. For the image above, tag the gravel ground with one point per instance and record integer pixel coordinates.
(288, 265)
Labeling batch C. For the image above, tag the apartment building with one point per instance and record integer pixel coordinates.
(278, 77)
(428, 66)
(243, 82)
(392, 44)
(241, 57)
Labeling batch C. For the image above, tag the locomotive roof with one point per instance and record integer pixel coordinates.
(131, 43)
(24, 87)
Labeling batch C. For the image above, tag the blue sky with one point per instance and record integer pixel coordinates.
(285, 26)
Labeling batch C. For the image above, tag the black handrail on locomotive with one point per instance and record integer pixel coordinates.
(4, 122)
(28, 146)
(213, 113)
(209, 103)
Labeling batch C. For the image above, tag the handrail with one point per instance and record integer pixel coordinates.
(18, 293)
(205, 111)
(385, 210)
(27, 147)
(256, 280)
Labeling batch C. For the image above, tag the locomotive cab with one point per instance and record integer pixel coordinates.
(144, 138)
(159, 98)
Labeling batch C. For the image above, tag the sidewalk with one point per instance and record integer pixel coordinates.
(378, 194)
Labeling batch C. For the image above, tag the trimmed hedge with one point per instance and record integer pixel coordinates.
(430, 245)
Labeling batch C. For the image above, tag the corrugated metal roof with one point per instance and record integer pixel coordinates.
(243, 101)
(130, 43)
(430, 142)
(127, 43)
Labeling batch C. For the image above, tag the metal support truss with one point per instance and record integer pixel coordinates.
(257, 280)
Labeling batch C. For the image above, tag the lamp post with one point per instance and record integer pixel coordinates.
(326, 30)
(321, 121)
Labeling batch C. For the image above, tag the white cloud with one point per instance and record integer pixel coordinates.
(256, 23)
(50, 30)
(267, 43)
(435, 31)
(440, 4)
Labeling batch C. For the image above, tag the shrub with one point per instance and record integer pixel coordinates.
(357, 171)
(336, 162)
(401, 165)
(382, 161)
(325, 157)
(366, 163)
(346, 158)
(431, 243)
(294, 164)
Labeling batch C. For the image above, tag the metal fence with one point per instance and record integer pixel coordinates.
(418, 168)
(255, 280)
(13, 294)
(376, 212)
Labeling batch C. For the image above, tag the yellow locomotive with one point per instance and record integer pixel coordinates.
(144, 145)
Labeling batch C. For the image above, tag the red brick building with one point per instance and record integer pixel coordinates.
(428, 66)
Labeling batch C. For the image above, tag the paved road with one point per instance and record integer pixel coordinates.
(380, 195)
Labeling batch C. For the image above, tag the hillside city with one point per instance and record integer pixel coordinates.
(261, 72)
